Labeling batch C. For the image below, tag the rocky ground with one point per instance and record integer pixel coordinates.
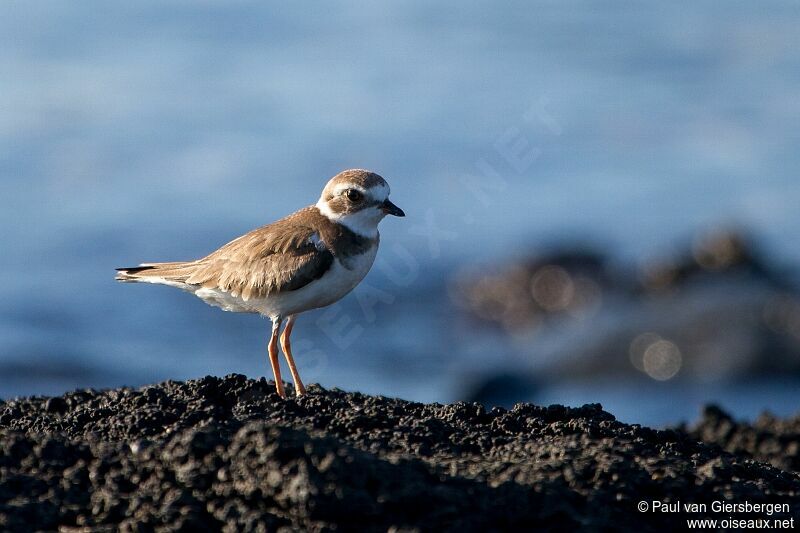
(768, 439)
(229, 454)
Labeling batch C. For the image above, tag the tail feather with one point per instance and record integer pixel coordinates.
(133, 270)
(169, 273)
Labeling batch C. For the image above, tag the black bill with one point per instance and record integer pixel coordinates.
(390, 209)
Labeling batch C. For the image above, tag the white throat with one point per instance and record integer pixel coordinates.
(363, 223)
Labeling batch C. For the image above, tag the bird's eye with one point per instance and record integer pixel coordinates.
(354, 195)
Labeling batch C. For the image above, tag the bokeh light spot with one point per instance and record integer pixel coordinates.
(662, 360)
(552, 288)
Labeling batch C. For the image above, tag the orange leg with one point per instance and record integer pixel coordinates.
(273, 357)
(286, 344)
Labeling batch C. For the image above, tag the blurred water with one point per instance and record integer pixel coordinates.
(160, 130)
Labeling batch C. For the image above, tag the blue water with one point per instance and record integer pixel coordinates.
(160, 130)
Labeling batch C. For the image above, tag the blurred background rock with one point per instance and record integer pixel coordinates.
(602, 199)
(720, 313)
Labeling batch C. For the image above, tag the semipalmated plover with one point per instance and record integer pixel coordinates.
(307, 260)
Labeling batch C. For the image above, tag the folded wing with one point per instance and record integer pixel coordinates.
(283, 256)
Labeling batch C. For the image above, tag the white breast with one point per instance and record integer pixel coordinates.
(341, 278)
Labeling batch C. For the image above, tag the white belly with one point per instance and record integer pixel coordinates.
(336, 283)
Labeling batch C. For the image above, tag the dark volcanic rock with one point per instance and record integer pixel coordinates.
(228, 454)
(768, 439)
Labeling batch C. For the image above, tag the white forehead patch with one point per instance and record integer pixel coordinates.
(380, 192)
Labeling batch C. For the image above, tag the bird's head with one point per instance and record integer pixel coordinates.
(357, 199)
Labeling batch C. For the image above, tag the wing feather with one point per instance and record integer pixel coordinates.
(283, 256)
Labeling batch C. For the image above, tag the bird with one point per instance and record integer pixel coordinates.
(309, 259)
